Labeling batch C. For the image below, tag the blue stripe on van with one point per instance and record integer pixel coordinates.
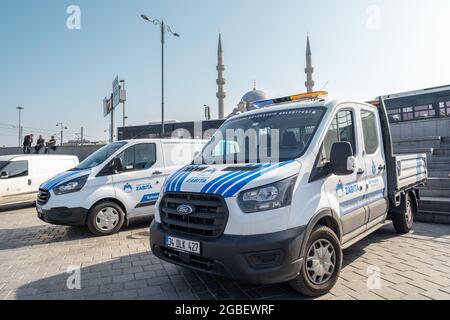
(227, 184)
(215, 183)
(237, 187)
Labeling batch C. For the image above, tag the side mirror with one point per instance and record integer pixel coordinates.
(4, 175)
(117, 166)
(342, 161)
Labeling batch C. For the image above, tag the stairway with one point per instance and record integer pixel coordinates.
(434, 204)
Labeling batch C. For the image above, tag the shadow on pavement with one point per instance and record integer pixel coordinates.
(143, 276)
(13, 207)
(47, 234)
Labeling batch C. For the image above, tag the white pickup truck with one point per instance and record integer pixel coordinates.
(334, 181)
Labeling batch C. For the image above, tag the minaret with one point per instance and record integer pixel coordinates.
(309, 70)
(221, 95)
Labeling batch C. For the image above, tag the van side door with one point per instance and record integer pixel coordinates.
(346, 192)
(139, 182)
(17, 183)
(375, 166)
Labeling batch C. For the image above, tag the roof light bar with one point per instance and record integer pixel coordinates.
(295, 98)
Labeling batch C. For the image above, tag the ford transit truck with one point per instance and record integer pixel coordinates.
(335, 180)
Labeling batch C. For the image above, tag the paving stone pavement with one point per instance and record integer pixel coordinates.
(35, 257)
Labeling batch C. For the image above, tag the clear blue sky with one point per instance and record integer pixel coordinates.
(62, 75)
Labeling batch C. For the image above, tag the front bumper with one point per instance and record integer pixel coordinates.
(258, 259)
(63, 216)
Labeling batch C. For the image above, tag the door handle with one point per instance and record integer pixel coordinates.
(381, 167)
(157, 173)
(360, 172)
(29, 182)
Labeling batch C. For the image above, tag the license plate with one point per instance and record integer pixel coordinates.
(183, 245)
(39, 209)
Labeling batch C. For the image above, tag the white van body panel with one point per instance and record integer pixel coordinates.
(41, 168)
(135, 190)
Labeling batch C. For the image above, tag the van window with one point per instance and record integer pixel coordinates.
(145, 156)
(3, 164)
(138, 157)
(342, 130)
(100, 156)
(127, 158)
(16, 169)
(369, 125)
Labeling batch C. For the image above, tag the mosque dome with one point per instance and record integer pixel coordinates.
(254, 95)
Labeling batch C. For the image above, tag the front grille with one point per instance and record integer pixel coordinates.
(43, 197)
(188, 259)
(208, 219)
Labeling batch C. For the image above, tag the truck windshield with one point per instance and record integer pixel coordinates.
(264, 137)
(100, 156)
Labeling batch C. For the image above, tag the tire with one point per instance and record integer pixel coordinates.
(105, 218)
(306, 282)
(403, 222)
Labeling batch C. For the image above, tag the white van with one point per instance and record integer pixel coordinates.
(21, 175)
(334, 181)
(118, 182)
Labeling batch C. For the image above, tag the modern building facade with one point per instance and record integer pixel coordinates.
(420, 113)
(196, 130)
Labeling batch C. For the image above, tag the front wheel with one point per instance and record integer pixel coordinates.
(105, 218)
(403, 222)
(321, 265)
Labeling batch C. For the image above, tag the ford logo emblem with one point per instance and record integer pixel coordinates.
(185, 209)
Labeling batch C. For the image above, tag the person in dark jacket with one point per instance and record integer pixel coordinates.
(27, 141)
(51, 144)
(39, 144)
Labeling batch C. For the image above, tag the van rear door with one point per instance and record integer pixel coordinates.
(140, 182)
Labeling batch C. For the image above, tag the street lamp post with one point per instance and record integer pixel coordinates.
(164, 28)
(60, 124)
(20, 108)
(123, 103)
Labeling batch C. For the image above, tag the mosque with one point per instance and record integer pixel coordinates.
(246, 103)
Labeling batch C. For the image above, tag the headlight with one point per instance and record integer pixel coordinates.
(270, 197)
(71, 186)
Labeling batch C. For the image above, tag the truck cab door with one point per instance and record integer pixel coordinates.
(375, 166)
(346, 192)
(15, 183)
(138, 183)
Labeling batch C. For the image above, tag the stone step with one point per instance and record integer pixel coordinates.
(435, 204)
(441, 152)
(434, 158)
(429, 151)
(434, 192)
(440, 166)
(438, 173)
(438, 183)
(444, 146)
(433, 217)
